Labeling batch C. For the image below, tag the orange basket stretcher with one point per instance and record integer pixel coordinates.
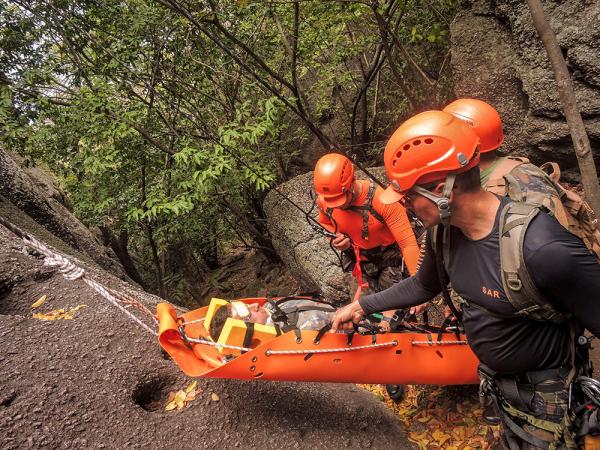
(390, 358)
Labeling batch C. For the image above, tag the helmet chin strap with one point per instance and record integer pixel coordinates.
(443, 201)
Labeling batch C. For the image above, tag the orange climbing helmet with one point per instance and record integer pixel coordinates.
(484, 119)
(426, 148)
(334, 175)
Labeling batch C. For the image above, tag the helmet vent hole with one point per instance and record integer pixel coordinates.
(394, 162)
(326, 189)
(406, 147)
(399, 154)
(417, 142)
(429, 141)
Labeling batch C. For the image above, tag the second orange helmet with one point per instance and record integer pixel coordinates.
(484, 119)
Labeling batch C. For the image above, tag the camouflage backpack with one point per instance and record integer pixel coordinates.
(524, 182)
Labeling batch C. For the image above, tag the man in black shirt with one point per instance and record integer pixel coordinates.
(431, 161)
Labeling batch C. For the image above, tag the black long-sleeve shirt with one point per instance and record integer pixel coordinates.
(562, 268)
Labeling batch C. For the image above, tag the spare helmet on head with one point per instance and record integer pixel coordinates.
(484, 119)
(333, 177)
(431, 146)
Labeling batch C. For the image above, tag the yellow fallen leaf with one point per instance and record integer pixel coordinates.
(214, 397)
(191, 387)
(423, 445)
(39, 302)
(424, 418)
(440, 437)
(58, 314)
(459, 433)
(179, 396)
(52, 315)
(452, 447)
(170, 406)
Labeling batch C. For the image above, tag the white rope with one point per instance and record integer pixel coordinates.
(439, 342)
(72, 272)
(217, 344)
(330, 350)
(194, 321)
(103, 292)
(294, 352)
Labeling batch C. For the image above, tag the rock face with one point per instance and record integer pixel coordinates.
(302, 249)
(100, 381)
(33, 191)
(497, 56)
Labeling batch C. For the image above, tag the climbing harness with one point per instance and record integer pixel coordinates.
(363, 210)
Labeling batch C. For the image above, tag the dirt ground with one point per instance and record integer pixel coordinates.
(100, 381)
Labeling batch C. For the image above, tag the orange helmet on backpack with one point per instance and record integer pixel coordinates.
(426, 148)
(333, 175)
(484, 119)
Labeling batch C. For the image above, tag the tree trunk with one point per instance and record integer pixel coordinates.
(156, 257)
(581, 142)
(119, 246)
(258, 237)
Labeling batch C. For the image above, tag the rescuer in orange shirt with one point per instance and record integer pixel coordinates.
(382, 234)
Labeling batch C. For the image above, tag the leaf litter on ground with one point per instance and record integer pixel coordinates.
(181, 398)
(58, 314)
(435, 417)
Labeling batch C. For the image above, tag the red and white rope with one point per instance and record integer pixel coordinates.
(72, 272)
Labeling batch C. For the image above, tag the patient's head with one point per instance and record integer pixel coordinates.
(253, 313)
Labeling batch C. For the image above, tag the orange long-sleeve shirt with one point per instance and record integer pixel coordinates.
(396, 226)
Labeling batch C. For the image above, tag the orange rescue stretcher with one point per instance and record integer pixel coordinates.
(404, 357)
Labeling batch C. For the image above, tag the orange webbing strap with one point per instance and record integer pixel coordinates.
(357, 273)
(171, 341)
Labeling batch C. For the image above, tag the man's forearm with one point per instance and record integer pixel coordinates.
(404, 294)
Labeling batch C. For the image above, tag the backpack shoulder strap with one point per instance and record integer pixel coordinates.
(369, 202)
(518, 285)
(497, 183)
(434, 236)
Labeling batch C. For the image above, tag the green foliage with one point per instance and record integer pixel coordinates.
(174, 129)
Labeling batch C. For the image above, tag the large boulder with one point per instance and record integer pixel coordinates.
(304, 251)
(498, 56)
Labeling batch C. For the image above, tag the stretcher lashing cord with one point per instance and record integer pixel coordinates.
(72, 272)
(294, 352)
(439, 342)
(202, 319)
(331, 350)
(217, 344)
